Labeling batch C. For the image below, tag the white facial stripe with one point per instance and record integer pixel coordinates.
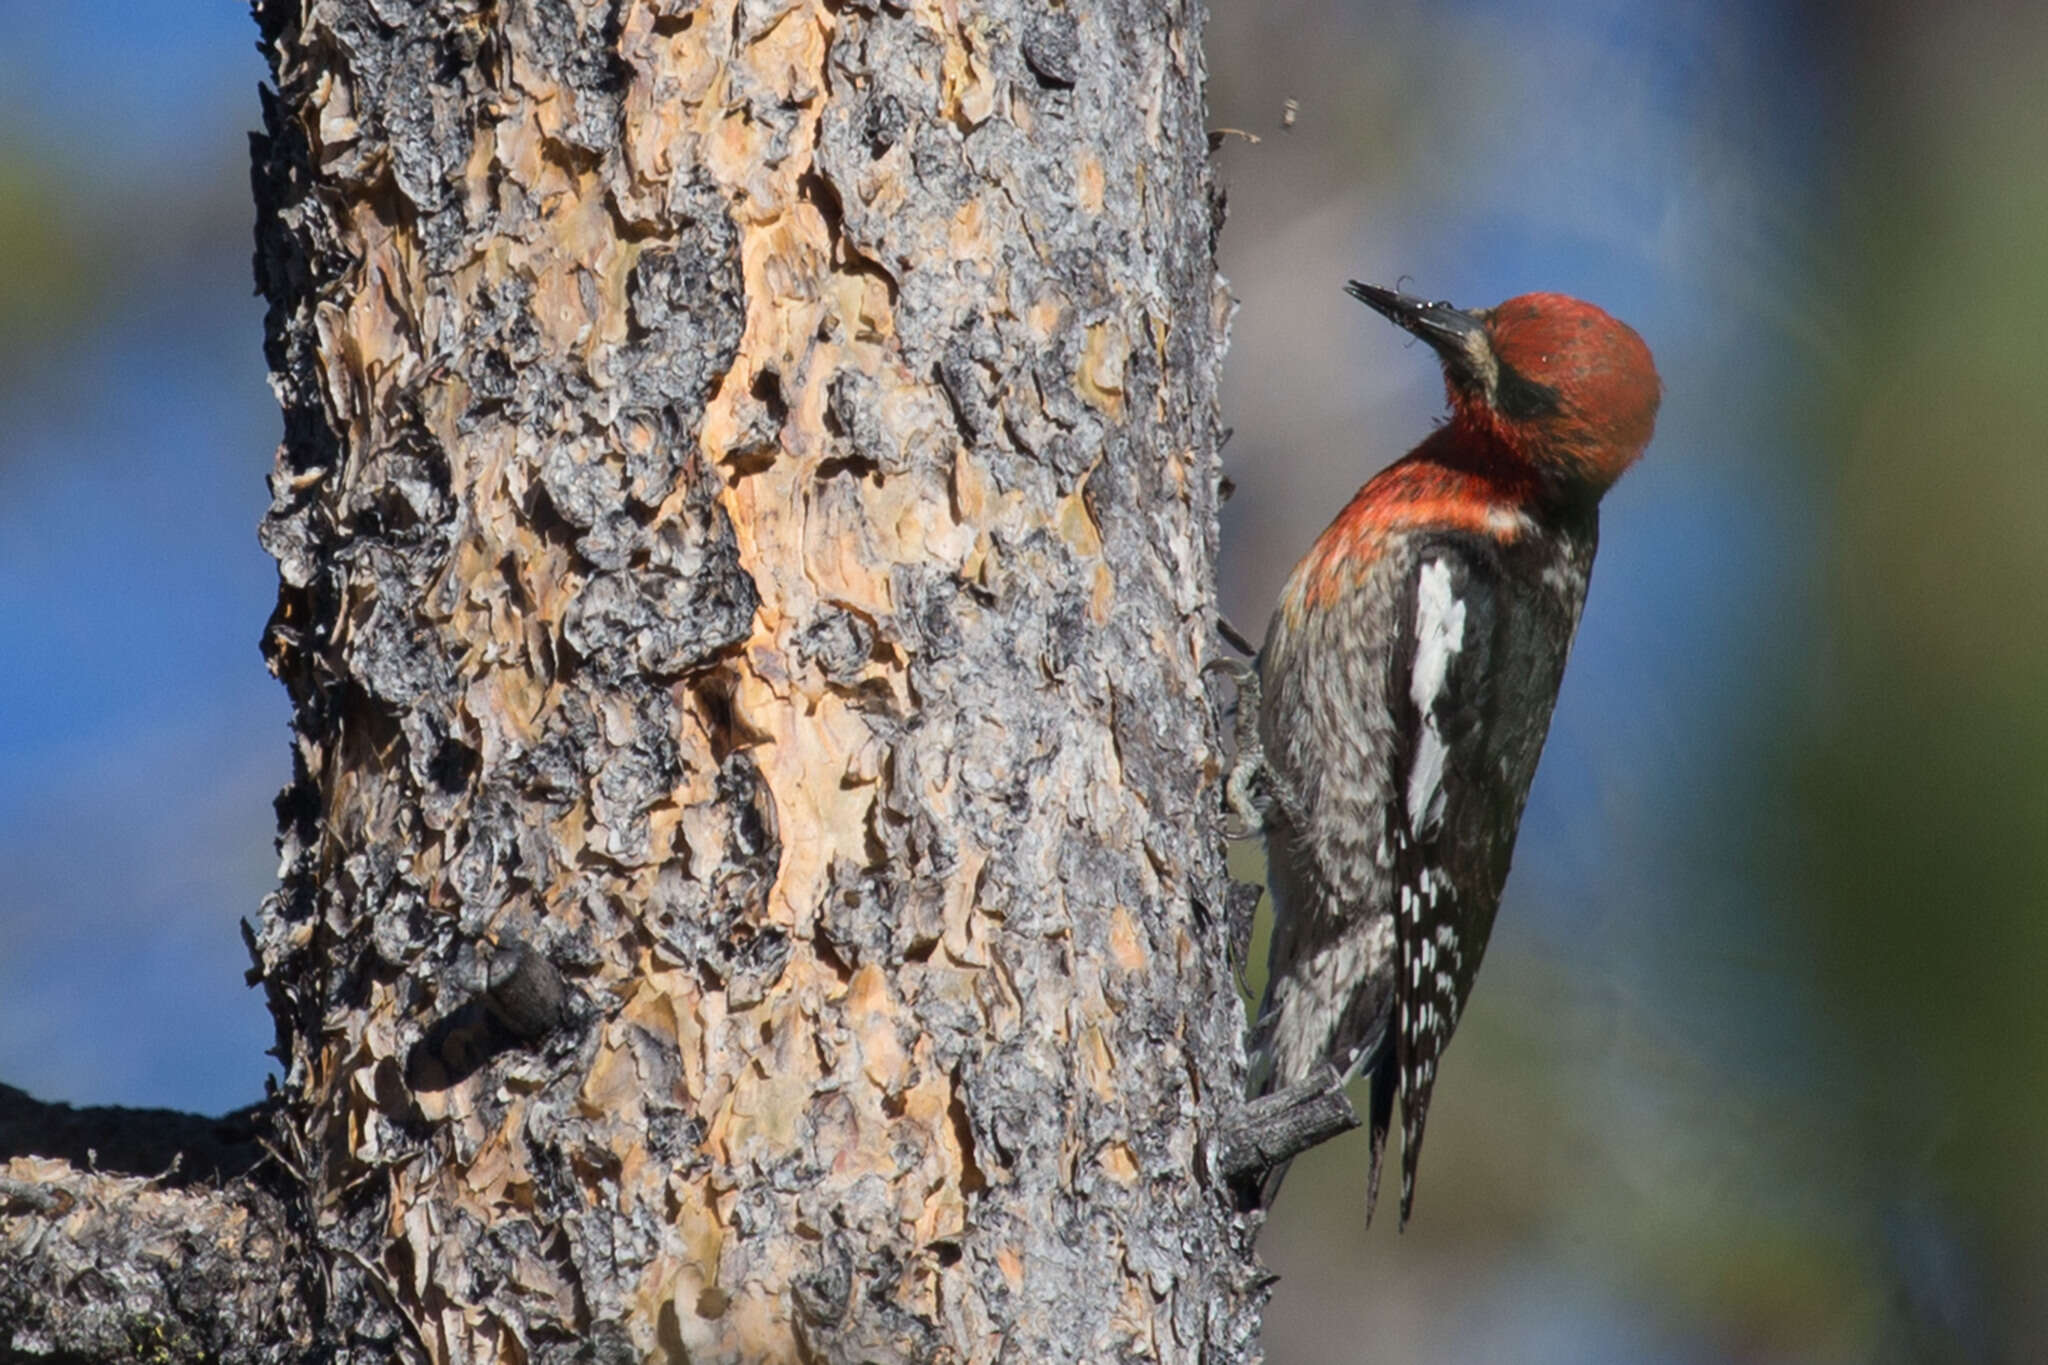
(1439, 635)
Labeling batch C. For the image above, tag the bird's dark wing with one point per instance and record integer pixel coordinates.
(1475, 672)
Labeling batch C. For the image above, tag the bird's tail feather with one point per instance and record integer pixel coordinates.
(1386, 1081)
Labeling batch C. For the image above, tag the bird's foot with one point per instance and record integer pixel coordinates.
(1247, 788)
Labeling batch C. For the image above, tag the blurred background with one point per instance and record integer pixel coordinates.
(141, 739)
(1757, 1070)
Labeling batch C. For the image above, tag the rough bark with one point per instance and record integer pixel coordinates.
(751, 887)
(109, 1267)
(118, 1241)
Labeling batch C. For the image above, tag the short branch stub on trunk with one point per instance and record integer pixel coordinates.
(1280, 1126)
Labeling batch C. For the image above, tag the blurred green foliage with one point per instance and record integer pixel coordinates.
(1926, 782)
(47, 282)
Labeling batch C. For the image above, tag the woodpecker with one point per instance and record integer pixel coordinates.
(1406, 685)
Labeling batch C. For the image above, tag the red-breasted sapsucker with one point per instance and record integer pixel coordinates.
(1407, 681)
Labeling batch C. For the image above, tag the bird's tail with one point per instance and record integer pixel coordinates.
(1386, 1083)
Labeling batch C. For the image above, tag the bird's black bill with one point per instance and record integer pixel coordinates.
(1453, 333)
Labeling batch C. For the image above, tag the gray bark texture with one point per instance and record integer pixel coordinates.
(752, 884)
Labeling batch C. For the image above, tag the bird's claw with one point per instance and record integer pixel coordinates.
(1247, 788)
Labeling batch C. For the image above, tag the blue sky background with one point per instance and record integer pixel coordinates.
(1680, 1122)
(140, 737)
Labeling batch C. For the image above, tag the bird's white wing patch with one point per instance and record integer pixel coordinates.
(1439, 635)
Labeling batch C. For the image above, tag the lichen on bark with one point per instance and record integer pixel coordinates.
(745, 522)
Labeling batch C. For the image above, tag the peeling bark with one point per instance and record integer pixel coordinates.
(752, 888)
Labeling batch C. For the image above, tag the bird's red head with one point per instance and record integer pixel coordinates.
(1555, 382)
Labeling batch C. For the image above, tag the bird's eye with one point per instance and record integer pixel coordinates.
(1521, 398)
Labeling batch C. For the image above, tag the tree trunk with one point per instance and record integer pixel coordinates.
(752, 889)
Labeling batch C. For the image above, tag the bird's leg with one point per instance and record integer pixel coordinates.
(1247, 788)
(1254, 796)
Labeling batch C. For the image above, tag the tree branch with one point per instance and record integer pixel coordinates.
(109, 1267)
(1278, 1127)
